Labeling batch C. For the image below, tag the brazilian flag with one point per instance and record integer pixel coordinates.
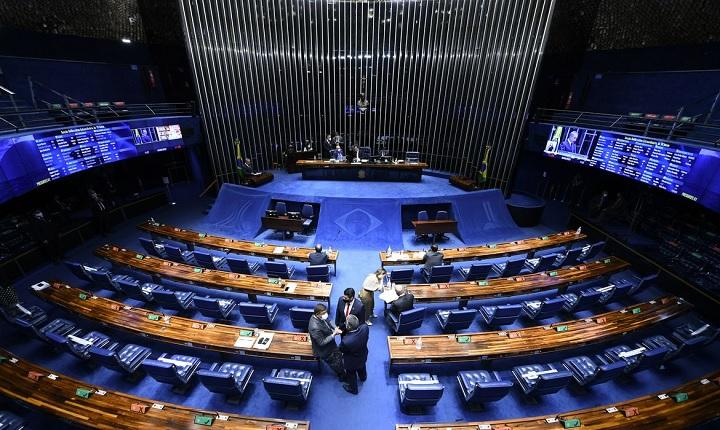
(239, 160)
(482, 173)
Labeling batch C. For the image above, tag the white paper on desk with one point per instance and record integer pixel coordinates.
(244, 342)
(80, 340)
(418, 254)
(264, 340)
(290, 287)
(40, 286)
(388, 296)
(278, 250)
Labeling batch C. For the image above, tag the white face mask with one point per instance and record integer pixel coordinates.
(324, 317)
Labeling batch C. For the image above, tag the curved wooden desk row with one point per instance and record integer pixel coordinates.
(219, 279)
(173, 329)
(653, 413)
(563, 335)
(516, 285)
(398, 258)
(266, 250)
(105, 409)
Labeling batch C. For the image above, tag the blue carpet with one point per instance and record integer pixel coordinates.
(377, 404)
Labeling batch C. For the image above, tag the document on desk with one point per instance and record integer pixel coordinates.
(278, 250)
(244, 342)
(264, 340)
(290, 287)
(388, 296)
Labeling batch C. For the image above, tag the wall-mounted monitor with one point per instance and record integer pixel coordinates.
(688, 170)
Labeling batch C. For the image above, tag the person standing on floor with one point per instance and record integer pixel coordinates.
(371, 284)
(354, 351)
(322, 338)
(348, 305)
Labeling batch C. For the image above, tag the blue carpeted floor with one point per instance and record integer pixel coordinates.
(377, 404)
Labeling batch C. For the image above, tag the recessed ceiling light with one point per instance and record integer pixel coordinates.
(125, 40)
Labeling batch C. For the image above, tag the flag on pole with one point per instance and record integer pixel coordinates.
(484, 166)
(239, 159)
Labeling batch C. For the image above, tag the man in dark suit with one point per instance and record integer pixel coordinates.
(322, 338)
(433, 257)
(354, 349)
(404, 302)
(348, 305)
(318, 257)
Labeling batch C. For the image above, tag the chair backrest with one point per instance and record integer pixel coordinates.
(411, 319)
(300, 317)
(218, 382)
(276, 268)
(607, 372)
(283, 389)
(549, 383)
(204, 259)
(490, 391)
(594, 250)
(442, 270)
(78, 270)
(253, 310)
(479, 271)
(307, 211)
(238, 265)
(422, 216)
(506, 314)
(103, 279)
(570, 257)
(107, 358)
(149, 246)
(161, 371)
(281, 208)
(174, 253)
(545, 262)
(442, 215)
(319, 273)
(643, 282)
(132, 288)
(461, 317)
(426, 393)
(587, 299)
(550, 307)
(620, 290)
(514, 265)
(651, 358)
(402, 276)
(166, 299)
(211, 304)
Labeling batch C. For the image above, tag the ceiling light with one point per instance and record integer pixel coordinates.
(125, 40)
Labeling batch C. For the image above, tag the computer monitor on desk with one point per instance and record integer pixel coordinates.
(412, 157)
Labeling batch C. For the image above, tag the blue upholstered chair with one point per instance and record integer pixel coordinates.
(442, 216)
(541, 263)
(500, 315)
(152, 248)
(422, 216)
(81, 271)
(176, 370)
(542, 309)
(208, 261)
(278, 269)
(281, 208)
(318, 273)
(143, 292)
(569, 258)
(60, 326)
(418, 390)
(10, 421)
(406, 321)
(238, 265)
(258, 313)
(614, 292)
(476, 272)
(176, 254)
(76, 344)
(674, 349)
(636, 359)
(587, 372)
(541, 379)
(591, 251)
(308, 213)
(108, 281)
(178, 300)
(214, 307)
(300, 317)
(230, 379)
(511, 267)
(481, 386)
(24, 315)
(401, 276)
(127, 359)
(586, 299)
(437, 274)
(288, 385)
(455, 319)
(636, 281)
(696, 329)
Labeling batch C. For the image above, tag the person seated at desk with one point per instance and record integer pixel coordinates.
(338, 154)
(318, 257)
(348, 305)
(404, 302)
(433, 257)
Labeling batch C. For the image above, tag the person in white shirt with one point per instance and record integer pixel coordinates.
(371, 284)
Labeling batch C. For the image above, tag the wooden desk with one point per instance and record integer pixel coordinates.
(259, 179)
(703, 405)
(174, 329)
(283, 223)
(399, 258)
(324, 169)
(516, 285)
(218, 279)
(111, 411)
(491, 345)
(435, 227)
(192, 238)
(292, 158)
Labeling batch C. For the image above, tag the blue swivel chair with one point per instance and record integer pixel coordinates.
(58, 325)
(419, 390)
(591, 251)
(281, 208)
(406, 321)
(288, 385)
(258, 313)
(541, 379)
(108, 281)
(208, 260)
(455, 319)
(401, 276)
(10, 421)
(542, 309)
(636, 359)
(500, 315)
(636, 281)
(143, 292)
(318, 273)
(177, 300)
(476, 272)
(569, 258)
(674, 349)
(612, 293)
(696, 329)
(541, 263)
(308, 214)
(300, 317)
(442, 216)
(176, 370)
(586, 299)
(278, 269)
(438, 274)
(79, 346)
(422, 216)
(81, 271)
(24, 315)
(587, 372)
(213, 307)
(230, 379)
(238, 265)
(481, 386)
(152, 248)
(127, 359)
(511, 267)
(176, 254)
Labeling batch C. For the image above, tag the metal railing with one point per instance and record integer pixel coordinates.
(694, 129)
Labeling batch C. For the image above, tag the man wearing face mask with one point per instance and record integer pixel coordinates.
(348, 305)
(322, 337)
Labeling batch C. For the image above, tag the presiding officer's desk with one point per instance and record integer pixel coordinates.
(111, 410)
(173, 329)
(283, 223)
(492, 345)
(399, 258)
(654, 413)
(270, 251)
(218, 279)
(343, 170)
(516, 285)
